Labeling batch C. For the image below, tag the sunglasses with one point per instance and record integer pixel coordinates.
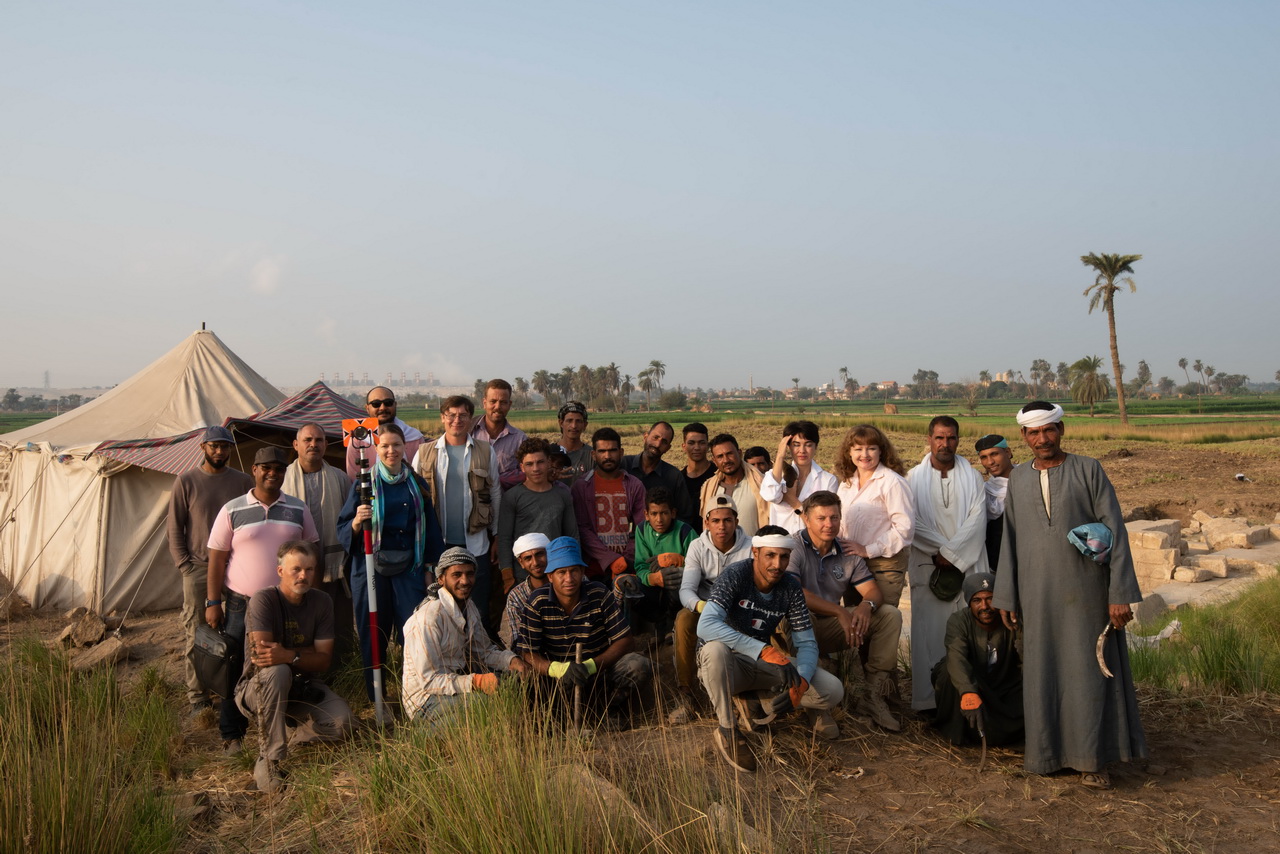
(378, 404)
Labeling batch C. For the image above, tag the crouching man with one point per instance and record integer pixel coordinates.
(448, 656)
(746, 604)
(288, 648)
(978, 683)
(570, 611)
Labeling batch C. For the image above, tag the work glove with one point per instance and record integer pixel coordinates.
(618, 567)
(672, 575)
(629, 586)
(971, 708)
(486, 682)
(670, 559)
(571, 673)
(788, 676)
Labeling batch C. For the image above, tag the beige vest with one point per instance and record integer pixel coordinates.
(479, 479)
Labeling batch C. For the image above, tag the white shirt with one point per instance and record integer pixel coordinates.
(880, 515)
(704, 563)
(477, 543)
(438, 643)
(782, 514)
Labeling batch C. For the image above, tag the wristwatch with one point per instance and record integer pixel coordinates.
(210, 603)
(297, 656)
(872, 604)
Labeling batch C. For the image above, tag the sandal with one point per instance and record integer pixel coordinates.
(1096, 779)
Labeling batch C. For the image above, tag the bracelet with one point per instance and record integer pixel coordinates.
(211, 603)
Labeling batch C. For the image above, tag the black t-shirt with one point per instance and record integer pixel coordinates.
(291, 626)
(694, 486)
(754, 613)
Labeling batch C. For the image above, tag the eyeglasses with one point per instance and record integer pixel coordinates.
(378, 404)
(456, 416)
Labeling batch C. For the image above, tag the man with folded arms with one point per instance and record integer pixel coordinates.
(747, 602)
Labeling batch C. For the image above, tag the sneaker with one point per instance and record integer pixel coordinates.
(735, 750)
(267, 774)
(231, 747)
(824, 726)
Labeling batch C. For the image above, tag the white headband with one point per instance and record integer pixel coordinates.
(772, 541)
(1039, 417)
(530, 542)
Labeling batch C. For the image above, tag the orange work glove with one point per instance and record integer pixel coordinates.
(486, 682)
(618, 567)
(970, 701)
(773, 655)
(670, 559)
(798, 691)
(971, 709)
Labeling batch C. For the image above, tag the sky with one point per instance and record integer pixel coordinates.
(742, 190)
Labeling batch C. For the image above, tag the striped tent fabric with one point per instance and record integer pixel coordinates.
(175, 454)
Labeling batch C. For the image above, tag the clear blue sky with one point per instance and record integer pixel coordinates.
(486, 189)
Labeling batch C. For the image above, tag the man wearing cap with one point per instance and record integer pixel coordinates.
(323, 488)
(1061, 600)
(737, 481)
(573, 610)
(745, 606)
(447, 653)
(651, 470)
(497, 431)
(197, 497)
(380, 402)
(997, 459)
(949, 543)
(978, 683)
(831, 576)
(573, 421)
(721, 543)
(531, 553)
(244, 542)
(609, 505)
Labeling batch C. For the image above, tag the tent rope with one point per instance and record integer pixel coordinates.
(13, 511)
(22, 576)
(138, 589)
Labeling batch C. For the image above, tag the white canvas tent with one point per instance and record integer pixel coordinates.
(83, 529)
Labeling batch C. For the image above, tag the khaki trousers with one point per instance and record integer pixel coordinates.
(725, 673)
(881, 639)
(193, 596)
(891, 575)
(265, 697)
(686, 643)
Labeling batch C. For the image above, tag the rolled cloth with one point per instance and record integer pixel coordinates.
(1039, 417)
(454, 556)
(772, 541)
(991, 440)
(529, 542)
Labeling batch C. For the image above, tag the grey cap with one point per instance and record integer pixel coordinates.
(218, 434)
(452, 557)
(976, 582)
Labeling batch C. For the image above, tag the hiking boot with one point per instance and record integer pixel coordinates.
(231, 747)
(877, 687)
(735, 750)
(267, 774)
(824, 726)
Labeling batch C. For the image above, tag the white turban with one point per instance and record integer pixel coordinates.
(772, 541)
(529, 542)
(1039, 417)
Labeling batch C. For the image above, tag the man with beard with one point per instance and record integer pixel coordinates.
(531, 554)
(739, 483)
(498, 432)
(197, 497)
(447, 653)
(651, 470)
(323, 488)
(949, 543)
(244, 542)
(978, 683)
(997, 459)
(381, 403)
(609, 506)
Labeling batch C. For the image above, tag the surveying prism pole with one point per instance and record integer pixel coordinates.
(359, 433)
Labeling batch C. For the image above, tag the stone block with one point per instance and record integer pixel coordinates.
(1258, 535)
(108, 652)
(76, 613)
(1161, 557)
(1202, 517)
(1275, 532)
(1222, 534)
(1154, 533)
(1150, 609)
(1191, 574)
(1277, 519)
(1193, 549)
(1153, 572)
(1215, 564)
(1193, 527)
(90, 629)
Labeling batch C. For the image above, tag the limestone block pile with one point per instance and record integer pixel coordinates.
(1207, 548)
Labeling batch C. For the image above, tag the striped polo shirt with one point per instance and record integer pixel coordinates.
(253, 532)
(596, 623)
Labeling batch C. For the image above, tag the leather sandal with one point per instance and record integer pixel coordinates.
(1096, 779)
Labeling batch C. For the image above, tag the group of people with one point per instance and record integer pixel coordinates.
(495, 554)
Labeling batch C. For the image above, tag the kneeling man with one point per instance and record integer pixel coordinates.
(978, 683)
(746, 604)
(447, 653)
(289, 634)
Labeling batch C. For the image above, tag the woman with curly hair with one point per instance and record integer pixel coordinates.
(878, 512)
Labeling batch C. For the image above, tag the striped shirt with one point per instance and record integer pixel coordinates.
(253, 532)
(596, 623)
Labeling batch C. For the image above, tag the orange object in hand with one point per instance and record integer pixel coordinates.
(773, 655)
(670, 559)
(970, 701)
(798, 692)
(618, 567)
(486, 682)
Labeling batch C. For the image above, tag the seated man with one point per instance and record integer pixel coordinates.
(570, 611)
(979, 680)
(747, 602)
(661, 544)
(531, 554)
(722, 542)
(290, 633)
(447, 653)
(828, 575)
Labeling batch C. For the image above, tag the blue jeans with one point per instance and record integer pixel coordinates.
(398, 596)
(231, 723)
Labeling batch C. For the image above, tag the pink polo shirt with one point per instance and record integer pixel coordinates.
(253, 532)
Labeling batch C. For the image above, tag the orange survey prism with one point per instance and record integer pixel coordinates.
(351, 425)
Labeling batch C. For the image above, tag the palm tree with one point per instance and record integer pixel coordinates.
(1182, 363)
(1110, 269)
(645, 384)
(657, 371)
(522, 391)
(795, 382)
(626, 388)
(541, 383)
(1088, 386)
(612, 375)
(1209, 371)
(984, 377)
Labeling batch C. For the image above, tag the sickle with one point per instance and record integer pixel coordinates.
(1102, 664)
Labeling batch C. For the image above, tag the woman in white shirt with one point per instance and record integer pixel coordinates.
(800, 439)
(878, 513)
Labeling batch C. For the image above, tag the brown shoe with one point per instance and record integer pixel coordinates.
(735, 750)
(267, 774)
(824, 726)
(877, 683)
(747, 710)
